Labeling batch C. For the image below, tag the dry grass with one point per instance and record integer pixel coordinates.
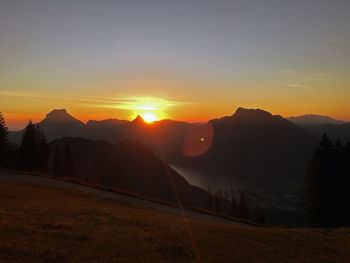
(50, 225)
(139, 196)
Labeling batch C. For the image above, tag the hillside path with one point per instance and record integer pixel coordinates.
(10, 177)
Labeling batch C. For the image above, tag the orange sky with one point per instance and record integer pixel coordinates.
(18, 108)
(186, 98)
(190, 60)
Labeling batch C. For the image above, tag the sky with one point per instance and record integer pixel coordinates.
(190, 60)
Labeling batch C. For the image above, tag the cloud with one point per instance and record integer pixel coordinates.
(296, 86)
(339, 40)
(115, 102)
(306, 81)
(140, 103)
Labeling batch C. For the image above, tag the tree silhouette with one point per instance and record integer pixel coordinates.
(243, 211)
(317, 190)
(347, 159)
(346, 184)
(220, 195)
(28, 147)
(233, 203)
(33, 152)
(316, 180)
(341, 186)
(210, 198)
(42, 151)
(4, 145)
(217, 202)
(326, 194)
(57, 162)
(259, 214)
(226, 202)
(68, 165)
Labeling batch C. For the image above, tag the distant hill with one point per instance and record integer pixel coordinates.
(312, 119)
(130, 166)
(317, 125)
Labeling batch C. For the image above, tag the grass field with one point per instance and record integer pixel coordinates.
(50, 225)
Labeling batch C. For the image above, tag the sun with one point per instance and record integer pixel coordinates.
(149, 117)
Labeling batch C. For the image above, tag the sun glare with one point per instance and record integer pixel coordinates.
(149, 108)
(149, 117)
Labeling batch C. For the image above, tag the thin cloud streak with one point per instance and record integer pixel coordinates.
(306, 81)
(124, 103)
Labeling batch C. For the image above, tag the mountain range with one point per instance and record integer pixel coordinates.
(59, 123)
(251, 149)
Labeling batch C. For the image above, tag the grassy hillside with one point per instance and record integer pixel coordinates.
(50, 225)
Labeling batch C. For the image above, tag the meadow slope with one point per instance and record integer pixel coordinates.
(42, 224)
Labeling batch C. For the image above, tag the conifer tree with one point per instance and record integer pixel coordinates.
(27, 151)
(57, 162)
(68, 165)
(243, 211)
(210, 198)
(346, 186)
(259, 215)
(233, 203)
(318, 183)
(220, 199)
(226, 207)
(33, 152)
(42, 151)
(347, 159)
(4, 145)
(217, 201)
(327, 196)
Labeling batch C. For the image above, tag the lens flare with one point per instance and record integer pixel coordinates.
(198, 140)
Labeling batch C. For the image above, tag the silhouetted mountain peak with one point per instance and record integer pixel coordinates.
(138, 120)
(251, 113)
(60, 115)
(248, 115)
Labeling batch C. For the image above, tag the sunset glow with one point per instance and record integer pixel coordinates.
(120, 59)
(149, 117)
(203, 122)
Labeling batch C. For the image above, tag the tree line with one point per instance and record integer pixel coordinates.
(33, 154)
(222, 202)
(327, 195)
